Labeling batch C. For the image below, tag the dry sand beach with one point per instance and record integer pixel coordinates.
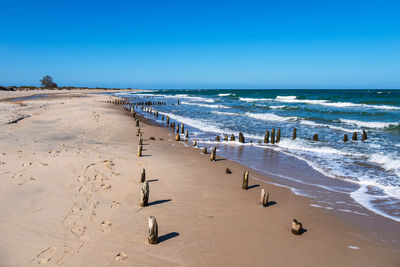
(69, 194)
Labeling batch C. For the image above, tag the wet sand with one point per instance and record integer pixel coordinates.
(70, 196)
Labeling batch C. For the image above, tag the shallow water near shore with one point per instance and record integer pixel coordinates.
(328, 171)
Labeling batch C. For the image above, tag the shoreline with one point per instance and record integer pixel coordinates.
(204, 215)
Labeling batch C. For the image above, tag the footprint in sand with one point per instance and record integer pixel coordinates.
(32, 178)
(121, 257)
(17, 175)
(109, 164)
(106, 186)
(115, 204)
(46, 255)
(78, 229)
(106, 226)
(43, 164)
(27, 164)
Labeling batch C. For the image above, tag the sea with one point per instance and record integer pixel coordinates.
(328, 171)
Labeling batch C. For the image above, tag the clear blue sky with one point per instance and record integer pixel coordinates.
(201, 44)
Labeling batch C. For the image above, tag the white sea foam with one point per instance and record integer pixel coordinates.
(364, 199)
(202, 125)
(224, 94)
(277, 107)
(303, 145)
(269, 117)
(312, 123)
(225, 113)
(369, 124)
(203, 105)
(293, 99)
(254, 99)
(388, 162)
(191, 98)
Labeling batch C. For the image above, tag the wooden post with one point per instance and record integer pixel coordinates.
(167, 120)
(194, 142)
(315, 137)
(278, 136)
(139, 152)
(241, 137)
(345, 138)
(178, 101)
(177, 128)
(182, 128)
(294, 134)
(204, 150)
(217, 138)
(273, 136)
(162, 118)
(177, 137)
(186, 133)
(364, 136)
(144, 194)
(213, 153)
(143, 176)
(354, 138)
(266, 137)
(153, 231)
(140, 140)
(264, 198)
(137, 123)
(225, 137)
(245, 184)
(297, 227)
(232, 137)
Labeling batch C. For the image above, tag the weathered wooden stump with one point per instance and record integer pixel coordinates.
(232, 137)
(354, 138)
(294, 136)
(143, 176)
(266, 137)
(140, 140)
(217, 138)
(345, 138)
(278, 135)
(315, 137)
(178, 102)
(364, 136)
(153, 231)
(167, 120)
(297, 227)
(186, 134)
(139, 152)
(177, 137)
(137, 123)
(245, 183)
(264, 198)
(273, 136)
(226, 138)
(241, 137)
(213, 153)
(144, 194)
(177, 128)
(228, 171)
(182, 128)
(204, 150)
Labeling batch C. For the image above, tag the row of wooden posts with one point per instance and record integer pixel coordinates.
(296, 228)
(274, 137)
